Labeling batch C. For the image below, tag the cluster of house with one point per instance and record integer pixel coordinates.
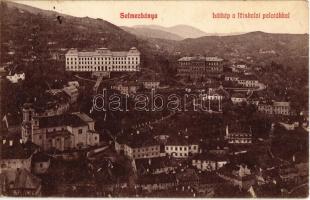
(267, 107)
(20, 164)
(130, 87)
(49, 124)
(144, 145)
(246, 81)
(275, 108)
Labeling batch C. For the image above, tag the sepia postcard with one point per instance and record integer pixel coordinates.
(154, 98)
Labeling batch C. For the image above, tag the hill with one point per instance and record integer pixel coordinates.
(184, 31)
(151, 33)
(288, 49)
(25, 27)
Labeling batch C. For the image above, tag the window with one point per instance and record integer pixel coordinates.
(80, 131)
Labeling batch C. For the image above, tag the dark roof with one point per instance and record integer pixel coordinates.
(12, 119)
(156, 178)
(188, 175)
(228, 170)
(155, 163)
(16, 151)
(40, 157)
(238, 95)
(23, 179)
(214, 145)
(230, 74)
(177, 140)
(135, 140)
(238, 128)
(248, 77)
(212, 157)
(61, 120)
(209, 178)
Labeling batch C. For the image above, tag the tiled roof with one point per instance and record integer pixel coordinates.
(16, 151)
(248, 77)
(209, 178)
(137, 140)
(156, 178)
(211, 157)
(61, 120)
(156, 163)
(238, 95)
(200, 58)
(176, 141)
(103, 51)
(25, 180)
(40, 157)
(278, 103)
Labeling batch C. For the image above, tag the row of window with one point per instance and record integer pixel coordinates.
(199, 63)
(144, 155)
(240, 141)
(105, 58)
(146, 149)
(101, 68)
(181, 148)
(180, 154)
(97, 63)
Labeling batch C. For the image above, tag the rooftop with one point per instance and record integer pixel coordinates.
(156, 178)
(103, 51)
(14, 149)
(73, 120)
(238, 95)
(200, 58)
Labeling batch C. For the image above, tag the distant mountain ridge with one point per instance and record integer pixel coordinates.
(183, 31)
(152, 33)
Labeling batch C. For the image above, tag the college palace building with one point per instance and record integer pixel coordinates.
(103, 60)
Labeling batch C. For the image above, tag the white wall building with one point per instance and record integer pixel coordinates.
(103, 59)
(179, 147)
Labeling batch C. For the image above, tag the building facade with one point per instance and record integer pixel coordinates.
(13, 156)
(238, 136)
(209, 162)
(103, 59)
(275, 108)
(64, 132)
(199, 66)
(180, 148)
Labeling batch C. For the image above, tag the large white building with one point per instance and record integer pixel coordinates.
(102, 60)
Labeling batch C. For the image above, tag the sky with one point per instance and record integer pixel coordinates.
(198, 14)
